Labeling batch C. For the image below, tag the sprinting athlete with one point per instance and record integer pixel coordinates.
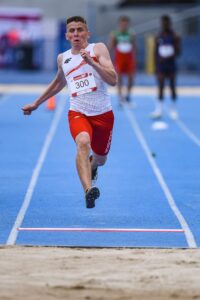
(167, 48)
(122, 44)
(86, 69)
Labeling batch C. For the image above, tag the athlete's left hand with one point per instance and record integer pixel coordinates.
(27, 109)
(86, 56)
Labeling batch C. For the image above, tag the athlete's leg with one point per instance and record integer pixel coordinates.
(102, 136)
(119, 87)
(84, 168)
(172, 84)
(82, 159)
(129, 85)
(173, 110)
(161, 83)
(98, 160)
(82, 132)
(157, 113)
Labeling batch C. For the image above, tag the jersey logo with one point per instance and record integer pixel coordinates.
(67, 60)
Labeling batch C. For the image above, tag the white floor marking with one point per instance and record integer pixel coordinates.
(50, 135)
(80, 229)
(188, 234)
(185, 129)
(159, 125)
(188, 132)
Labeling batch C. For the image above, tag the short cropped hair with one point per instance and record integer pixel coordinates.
(76, 19)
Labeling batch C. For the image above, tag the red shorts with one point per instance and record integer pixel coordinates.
(125, 63)
(98, 127)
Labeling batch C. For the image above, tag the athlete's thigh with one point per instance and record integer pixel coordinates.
(79, 123)
(102, 133)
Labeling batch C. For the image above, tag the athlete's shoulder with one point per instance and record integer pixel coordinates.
(159, 34)
(175, 34)
(114, 32)
(100, 49)
(100, 45)
(67, 52)
(60, 58)
(130, 31)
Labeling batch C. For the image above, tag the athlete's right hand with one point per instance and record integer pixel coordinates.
(27, 109)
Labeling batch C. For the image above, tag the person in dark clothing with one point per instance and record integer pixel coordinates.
(167, 49)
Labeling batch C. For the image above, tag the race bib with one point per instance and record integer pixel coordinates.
(166, 51)
(82, 84)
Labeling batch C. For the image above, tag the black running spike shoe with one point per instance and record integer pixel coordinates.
(91, 195)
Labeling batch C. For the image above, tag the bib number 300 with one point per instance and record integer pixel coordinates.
(82, 84)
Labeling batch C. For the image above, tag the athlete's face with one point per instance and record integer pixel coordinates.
(123, 25)
(165, 24)
(77, 34)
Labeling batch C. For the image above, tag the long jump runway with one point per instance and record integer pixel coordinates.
(149, 187)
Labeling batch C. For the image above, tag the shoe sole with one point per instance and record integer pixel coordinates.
(91, 196)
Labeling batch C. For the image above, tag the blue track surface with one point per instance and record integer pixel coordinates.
(138, 190)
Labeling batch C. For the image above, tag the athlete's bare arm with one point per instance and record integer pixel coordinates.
(104, 65)
(134, 44)
(53, 88)
(177, 45)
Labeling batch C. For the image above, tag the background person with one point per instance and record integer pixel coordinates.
(167, 48)
(86, 69)
(123, 47)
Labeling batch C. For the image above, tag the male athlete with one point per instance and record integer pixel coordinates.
(167, 48)
(86, 69)
(122, 42)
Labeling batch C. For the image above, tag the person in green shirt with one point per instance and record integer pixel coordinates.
(123, 50)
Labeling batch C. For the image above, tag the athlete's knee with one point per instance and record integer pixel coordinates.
(99, 160)
(83, 141)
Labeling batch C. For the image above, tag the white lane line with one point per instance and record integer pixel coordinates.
(188, 233)
(50, 135)
(73, 229)
(185, 129)
(188, 132)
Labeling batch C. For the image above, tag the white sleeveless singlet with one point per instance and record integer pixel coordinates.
(88, 91)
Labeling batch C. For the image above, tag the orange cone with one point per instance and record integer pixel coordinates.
(51, 103)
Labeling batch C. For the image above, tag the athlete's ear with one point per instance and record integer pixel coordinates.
(89, 34)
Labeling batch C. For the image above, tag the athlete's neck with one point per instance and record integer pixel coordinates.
(76, 48)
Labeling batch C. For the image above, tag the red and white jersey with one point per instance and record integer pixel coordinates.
(88, 91)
